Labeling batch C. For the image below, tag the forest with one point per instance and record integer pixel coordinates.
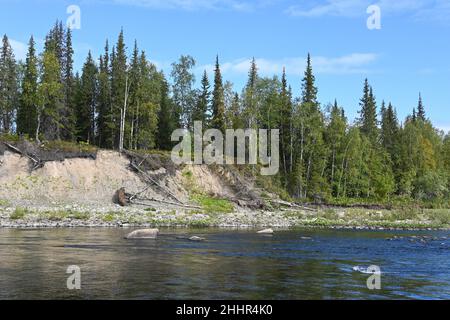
(124, 102)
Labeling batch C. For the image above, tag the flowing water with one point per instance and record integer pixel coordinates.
(230, 264)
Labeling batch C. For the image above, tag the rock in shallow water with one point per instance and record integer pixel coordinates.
(266, 231)
(143, 234)
(195, 238)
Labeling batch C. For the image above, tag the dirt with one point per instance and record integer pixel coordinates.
(88, 178)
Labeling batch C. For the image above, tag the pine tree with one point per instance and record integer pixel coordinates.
(218, 103)
(27, 110)
(8, 86)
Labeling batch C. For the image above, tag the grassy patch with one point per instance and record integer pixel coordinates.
(55, 215)
(204, 223)
(18, 214)
(213, 205)
(78, 215)
(110, 216)
(67, 146)
(4, 203)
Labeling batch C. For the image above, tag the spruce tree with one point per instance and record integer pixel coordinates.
(218, 102)
(27, 109)
(69, 107)
(8, 86)
(202, 106)
(421, 109)
(168, 120)
(285, 126)
(87, 103)
(309, 90)
(251, 112)
(104, 102)
(119, 86)
(50, 95)
(368, 114)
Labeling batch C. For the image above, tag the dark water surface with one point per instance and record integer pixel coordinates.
(230, 264)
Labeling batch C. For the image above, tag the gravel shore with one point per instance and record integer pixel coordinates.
(28, 215)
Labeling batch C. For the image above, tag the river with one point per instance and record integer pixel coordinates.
(230, 264)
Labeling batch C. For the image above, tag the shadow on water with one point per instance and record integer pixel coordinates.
(230, 264)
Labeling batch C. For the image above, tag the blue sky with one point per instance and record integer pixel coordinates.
(410, 53)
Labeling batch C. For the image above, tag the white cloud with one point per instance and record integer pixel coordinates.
(20, 49)
(354, 63)
(422, 9)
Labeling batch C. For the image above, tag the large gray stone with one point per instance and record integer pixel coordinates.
(143, 234)
(266, 231)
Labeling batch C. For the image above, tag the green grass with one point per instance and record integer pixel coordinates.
(213, 205)
(4, 203)
(110, 216)
(358, 217)
(6, 137)
(19, 213)
(67, 146)
(55, 215)
(78, 215)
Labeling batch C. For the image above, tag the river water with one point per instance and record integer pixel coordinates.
(230, 264)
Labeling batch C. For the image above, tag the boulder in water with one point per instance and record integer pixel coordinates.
(143, 234)
(266, 231)
(195, 238)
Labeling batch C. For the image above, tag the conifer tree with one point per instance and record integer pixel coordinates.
(104, 102)
(50, 95)
(8, 86)
(168, 120)
(421, 109)
(27, 109)
(218, 100)
(87, 102)
(368, 114)
(203, 102)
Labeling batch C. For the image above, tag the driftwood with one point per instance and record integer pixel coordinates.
(165, 202)
(148, 179)
(36, 161)
(153, 181)
(292, 205)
